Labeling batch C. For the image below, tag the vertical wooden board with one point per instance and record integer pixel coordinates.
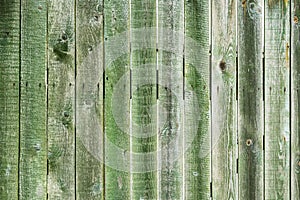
(117, 99)
(61, 100)
(295, 100)
(144, 112)
(223, 88)
(89, 100)
(197, 100)
(9, 98)
(33, 138)
(277, 105)
(250, 98)
(170, 95)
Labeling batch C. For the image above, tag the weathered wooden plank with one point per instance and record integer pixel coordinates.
(170, 95)
(197, 100)
(61, 100)
(33, 138)
(144, 120)
(250, 99)
(9, 98)
(295, 100)
(277, 105)
(223, 108)
(89, 100)
(117, 98)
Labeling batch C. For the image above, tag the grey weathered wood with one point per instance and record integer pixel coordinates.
(295, 100)
(117, 97)
(61, 99)
(89, 100)
(223, 108)
(170, 95)
(9, 97)
(277, 105)
(33, 138)
(250, 99)
(197, 158)
(144, 120)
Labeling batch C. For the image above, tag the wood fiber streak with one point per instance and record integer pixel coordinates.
(33, 138)
(250, 99)
(117, 99)
(197, 157)
(223, 119)
(9, 98)
(170, 96)
(295, 100)
(89, 100)
(277, 100)
(61, 99)
(144, 112)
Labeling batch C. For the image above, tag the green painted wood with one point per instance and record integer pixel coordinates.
(9, 98)
(197, 158)
(170, 95)
(223, 108)
(250, 99)
(117, 98)
(295, 100)
(183, 104)
(33, 138)
(61, 100)
(277, 100)
(144, 112)
(89, 100)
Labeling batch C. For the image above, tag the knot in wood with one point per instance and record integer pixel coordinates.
(296, 19)
(222, 65)
(244, 3)
(249, 142)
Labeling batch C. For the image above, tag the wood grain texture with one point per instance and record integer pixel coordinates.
(149, 99)
(223, 119)
(61, 99)
(117, 99)
(9, 98)
(33, 138)
(144, 112)
(197, 157)
(170, 96)
(295, 100)
(89, 100)
(250, 99)
(277, 105)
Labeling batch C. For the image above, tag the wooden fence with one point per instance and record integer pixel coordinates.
(149, 99)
